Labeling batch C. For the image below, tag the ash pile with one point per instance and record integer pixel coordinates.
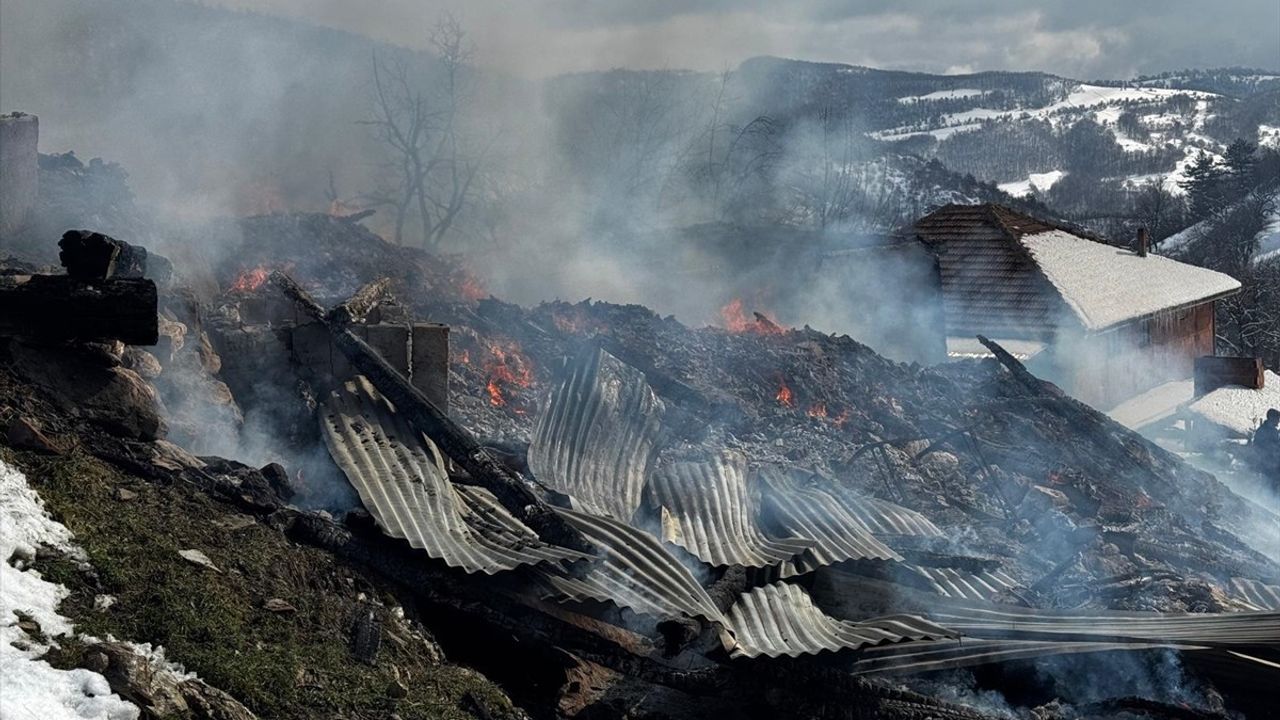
(631, 516)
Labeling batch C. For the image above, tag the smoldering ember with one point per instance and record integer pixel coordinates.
(875, 394)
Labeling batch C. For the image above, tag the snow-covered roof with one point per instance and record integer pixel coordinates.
(1106, 285)
(1239, 409)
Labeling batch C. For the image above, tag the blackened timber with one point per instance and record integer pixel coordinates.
(92, 256)
(452, 439)
(359, 304)
(60, 307)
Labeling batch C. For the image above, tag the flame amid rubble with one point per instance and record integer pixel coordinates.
(250, 280)
(469, 286)
(784, 395)
(508, 371)
(735, 320)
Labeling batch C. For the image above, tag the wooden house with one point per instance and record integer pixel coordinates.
(1105, 322)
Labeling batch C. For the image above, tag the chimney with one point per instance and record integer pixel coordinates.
(1144, 242)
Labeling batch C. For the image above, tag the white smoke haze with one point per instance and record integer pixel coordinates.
(666, 189)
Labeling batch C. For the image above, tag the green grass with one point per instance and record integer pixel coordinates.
(281, 666)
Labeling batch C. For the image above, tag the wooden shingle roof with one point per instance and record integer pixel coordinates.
(1011, 275)
(990, 283)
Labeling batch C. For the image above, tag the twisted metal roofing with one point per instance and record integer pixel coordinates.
(634, 571)
(1260, 595)
(813, 514)
(401, 480)
(953, 583)
(930, 655)
(884, 517)
(781, 619)
(993, 621)
(708, 510)
(598, 438)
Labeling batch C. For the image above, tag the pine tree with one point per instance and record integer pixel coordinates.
(1204, 187)
(1241, 167)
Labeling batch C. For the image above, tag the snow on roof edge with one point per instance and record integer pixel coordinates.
(1107, 286)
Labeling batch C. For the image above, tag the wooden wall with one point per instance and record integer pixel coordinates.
(1112, 367)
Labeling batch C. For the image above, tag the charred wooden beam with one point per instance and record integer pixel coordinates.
(359, 304)
(452, 439)
(61, 307)
(91, 256)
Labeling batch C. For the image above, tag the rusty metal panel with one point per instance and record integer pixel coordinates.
(781, 619)
(708, 509)
(400, 477)
(633, 571)
(598, 438)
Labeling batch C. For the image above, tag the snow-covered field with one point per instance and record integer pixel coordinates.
(943, 95)
(30, 688)
(1082, 97)
(1269, 136)
(1039, 182)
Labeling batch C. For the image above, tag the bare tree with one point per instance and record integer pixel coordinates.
(417, 116)
(726, 157)
(821, 177)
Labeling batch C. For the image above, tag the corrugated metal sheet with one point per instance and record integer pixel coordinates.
(634, 571)
(813, 514)
(598, 438)
(932, 655)
(781, 619)
(1260, 595)
(991, 622)
(884, 517)
(708, 509)
(953, 583)
(401, 480)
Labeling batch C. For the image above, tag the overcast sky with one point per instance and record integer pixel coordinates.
(1078, 38)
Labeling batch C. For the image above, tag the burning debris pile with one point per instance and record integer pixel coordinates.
(738, 519)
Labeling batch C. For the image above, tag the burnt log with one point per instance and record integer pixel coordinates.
(92, 256)
(359, 304)
(60, 307)
(452, 439)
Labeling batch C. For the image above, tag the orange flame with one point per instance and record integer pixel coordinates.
(784, 396)
(817, 410)
(508, 370)
(469, 286)
(250, 280)
(736, 321)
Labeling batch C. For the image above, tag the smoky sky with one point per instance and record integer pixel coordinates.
(1083, 39)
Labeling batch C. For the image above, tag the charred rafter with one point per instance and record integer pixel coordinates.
(452, 439)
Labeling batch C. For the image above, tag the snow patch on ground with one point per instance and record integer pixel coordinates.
(1131, 145)
(943, 95)
(1239, 409)
(1039, 182)
(31, 689)
(1269, 136)
(1082, 97)
(1269, 238)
